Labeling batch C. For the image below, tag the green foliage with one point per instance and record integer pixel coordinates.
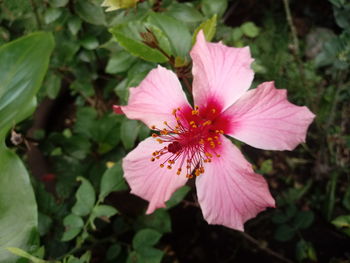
(84, 212)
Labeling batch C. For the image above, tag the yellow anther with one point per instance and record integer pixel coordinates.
(217, 131)
(153, 159)
(196, 107)
(153, 127)
(164, 132)
(209, 139)
(154, 135)
(178, 171)
(213, 110)
(216, 137)
(221, 131)
(205, 160)
(174, 111)
(192, 123)
(160, 140)
(197, 172)
(201, 169)
(201, 141)
(161, 165)
(188, 166)
(169, 167)
(195, 112)
(165, 123)
(178, 108)
(207, 123)
(218, 155)
(194, 126)
(219, 143)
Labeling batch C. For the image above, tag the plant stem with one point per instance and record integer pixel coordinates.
(265, 249)
(36, 13)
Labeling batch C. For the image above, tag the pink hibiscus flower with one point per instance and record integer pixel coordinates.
(190, 141)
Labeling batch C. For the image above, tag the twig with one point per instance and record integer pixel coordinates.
(265, 249)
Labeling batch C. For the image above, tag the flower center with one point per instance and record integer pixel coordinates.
(193, 139)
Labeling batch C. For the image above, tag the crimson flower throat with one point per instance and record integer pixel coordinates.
(193, 140)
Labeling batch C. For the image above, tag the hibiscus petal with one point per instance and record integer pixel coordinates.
(146, 179)
(219, 72)
(265, 119)
(154, 100)
(229, 192)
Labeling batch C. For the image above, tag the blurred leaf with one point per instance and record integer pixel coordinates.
(58, 3)
(331, 195)
(184, 12)
(113, 251)
(208, 27)
(346, 199)
(103, 212)
(342, 221)
(73, 226)
(112, 180)
(86, 121)
(303, 219)
(89, 12)
(44, 223)
(145, 238)
(21, 253)
(74, 25)
(128, 132)
(305, 251)
(23, 64)
(85, 198)
(266, 167)
(52, 14)
(119, 62)
(53, 85)
(250, 29)
(159, 220)
(128, 36)
(237, 33)
(177, 33)
(284, 233)
(147, 255)
(178, 196)
(210, 7)
(89, 42)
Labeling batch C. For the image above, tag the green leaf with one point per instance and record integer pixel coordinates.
(284, 233)
(89, 12)
(52, 14)
(184, 12)
(113, 251)
(342, 221)
(85, 198)
(158, 220)
(305, 251)
(73, 224)
(178, 196)
(112, 180)
(53, 85)
(210, 7)
(18, 208)
(177, 33)
(89, 42)
(128, 36)
(146, 255)
(145, 238)
(346, 199)
(128, 133)
(303, 219)
(208, 27)
(103, 212)
(23, 64)
(237, 34)
(74, 25)
(21, 253)
(58, 3)
(119, 62)
(250, 29)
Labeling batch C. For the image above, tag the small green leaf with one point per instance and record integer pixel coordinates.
(177, 33)
(250, 29)
(85, 198)
(104, 211)
(73, 224)
(158, 220)
(128, 133)
(145, 238)
(113, 251)
(146, 255)
(89, 42)
(184, 12)
(128, 36)
(303, 219)
(237, 34)
(53, 85)
(178, 196)
(74, 25)
(119, 62)
(208, 27)
(346, 199)
(89, 12)
(210, 7)
(52, 14)
(284, 233)
(58, 3)
(342, 221)
(305, 251)
(112, 180)
(23, 254)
